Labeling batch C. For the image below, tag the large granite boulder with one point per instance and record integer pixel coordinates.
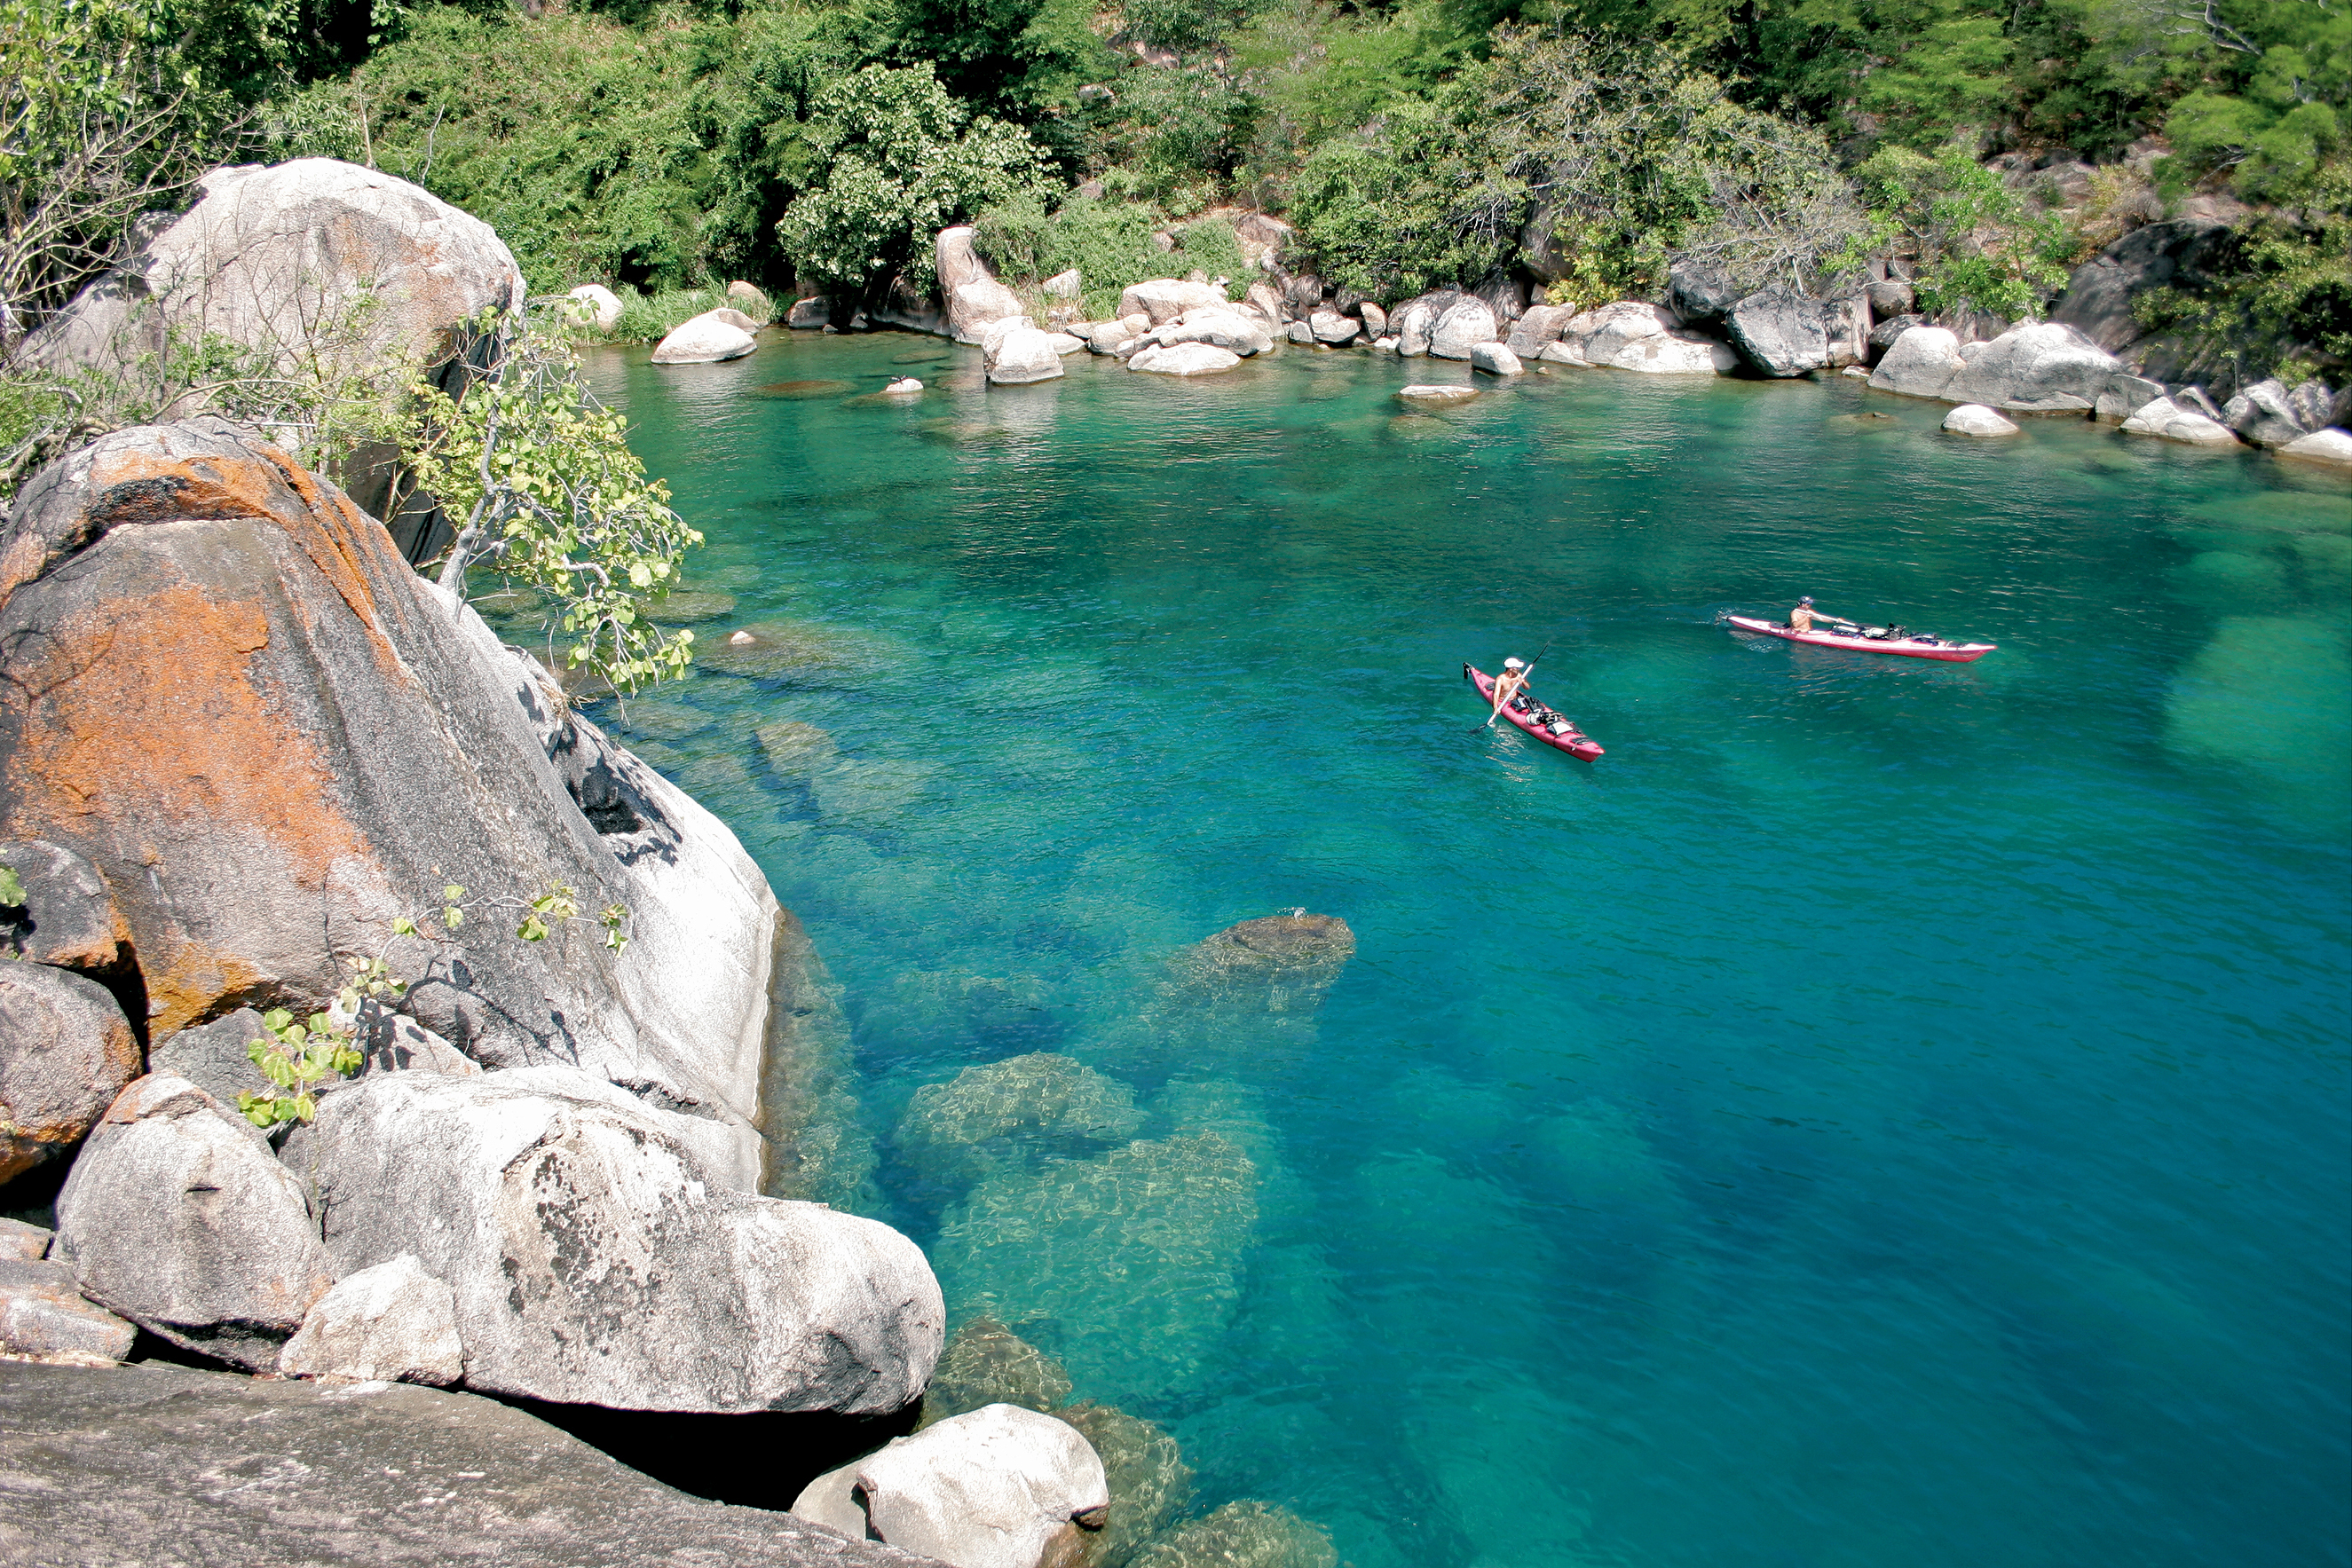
(155, 1464)
(312, 263)
(178, 1216)
(1165, 300)
(394, 1323)
(1019, 356)
(1417, 318)
(1779, 331)
(593, 305)
(708, 338)
(1332, 328)
(1495, 360)
(2267, 414)
(66, 1051)
(593, 1261)
(1464, 325)
(2124, 395)
(999, 1488)
(44, 1317)
(2168, 418)
(248, 609)
(2100, 295)
(1424, 396)
(1975, 419)
(1675, 354)
(1920, 362)
(1601, 334)
(1224, 326)
(2036, 367)
(1540, 325)
(1039, 1102)
(2331, 448)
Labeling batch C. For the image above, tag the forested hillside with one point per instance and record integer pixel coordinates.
(1581, 145)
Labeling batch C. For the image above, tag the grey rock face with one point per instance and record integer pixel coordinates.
(987, 1364)
(1539, 326)
(1166, 299)
(178, 1217)
(752, 301)
(1882, 335)
(1021, 356)
(813, 314)
(1700, 293)
(1464, 325)
(1243, 1535)
(1889, 297)
(2124, 395)
(1375, 319)
(1975, 419)
(1506, 295)
(1330, 327)
(394, 1323)
(591, 1260)
(1495, 359)
(2165, 418)
(1845, 327)
(151, 1465)
(1224, 326)
(957, 1130)
(1779, 332)
(44, 1317)
(1414, 320)
(2099, 296)
(68, 917)
(999, 1488)
(293, 629)
(2312, 405)
(23, 1243)
(66, 1051)
(1921, 362)
(2333, 447)
(213, 1056)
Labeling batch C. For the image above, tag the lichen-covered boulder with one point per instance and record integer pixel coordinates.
(1037, 1103)
(1243, 1535)
(592, 1259)
(178, 1216)
(987, 1364)
(1699, 293)
(708, 338)
(998, 1487)
(1135, 1254)
(248, 609)
(1150, 1482)
(66, 1051)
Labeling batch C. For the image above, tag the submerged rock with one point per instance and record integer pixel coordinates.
(792, 746)
(805, 649)
(1281, 962)
(1150, 1482)
(1135, 1255)
(1435, 396)
(686, 606)
(817, 1147)
(1243, 1535)
(987, 1364)
(1975, 419)
(958, 1129)
(1183, 359)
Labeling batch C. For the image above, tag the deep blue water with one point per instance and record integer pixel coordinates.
(1881, 1112)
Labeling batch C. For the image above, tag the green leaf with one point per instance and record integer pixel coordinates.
(12, 889)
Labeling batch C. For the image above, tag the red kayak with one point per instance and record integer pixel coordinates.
(1911, 647)
(1539, 722)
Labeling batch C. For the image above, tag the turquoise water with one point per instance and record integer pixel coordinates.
(1881, 1112)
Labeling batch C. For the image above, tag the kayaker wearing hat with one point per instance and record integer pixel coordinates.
(1800, 619)
(1507, 685)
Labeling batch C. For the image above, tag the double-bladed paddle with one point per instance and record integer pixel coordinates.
(1522, 686)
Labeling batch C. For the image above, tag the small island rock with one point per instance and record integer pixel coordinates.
(1185, 360)
(1435, 396)
(706, 339)
(1495, 359)
(1975, 419)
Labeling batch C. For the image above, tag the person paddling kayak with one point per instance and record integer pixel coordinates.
(1507, 685)
(1800, 619)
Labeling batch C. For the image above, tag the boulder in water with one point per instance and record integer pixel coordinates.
(1150, 1482)
(596, 306)
(1165, 300)
(2333, 447)
(1282, 960)
(1781, 332)
(1464, 324)
(1975, 419)
(987, 1364)
(1185, 360)
(703, 340)
(958, 1129)
(1022, 354)
(1495, 359)
(1243, 1535)
(1434, 396)
(2168, 418)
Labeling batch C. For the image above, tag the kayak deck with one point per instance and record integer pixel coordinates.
(1573, 740)
(1913, 647)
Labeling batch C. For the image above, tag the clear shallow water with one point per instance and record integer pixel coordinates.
(1881, 1112)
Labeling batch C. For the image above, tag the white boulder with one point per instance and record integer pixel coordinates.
(2168, 418)
(394, 1323)
(1601, 334)
(2331, 446)
(1462, 327)
(592, 1259)
(1975, 419)
(998, 1487)
(1183, 359)
(2036, 367)
(1164, 299)
(1919, 363)
(1022, 355)
(596, 306)
(44, 1317)
(905, 386)
(1495, 359)
(1109, 336)
(178, 1216)
(1435, 396)
(1330, 327)
(1062, 285)
(705, 339)
(1675, 354)
(1222, 325)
